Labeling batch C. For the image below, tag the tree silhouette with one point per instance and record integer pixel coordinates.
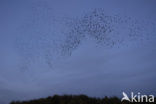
(77, 99)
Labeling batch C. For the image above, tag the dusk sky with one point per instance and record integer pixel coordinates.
(93, 47)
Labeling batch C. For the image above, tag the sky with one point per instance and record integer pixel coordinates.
(93, 47)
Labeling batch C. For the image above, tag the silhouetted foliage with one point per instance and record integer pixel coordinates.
(76, 99)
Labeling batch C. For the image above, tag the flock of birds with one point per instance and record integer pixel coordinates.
(53, 43)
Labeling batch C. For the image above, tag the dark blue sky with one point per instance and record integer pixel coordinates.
(99, 48)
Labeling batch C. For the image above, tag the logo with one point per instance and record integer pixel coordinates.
(138, 97)
(125, 97)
